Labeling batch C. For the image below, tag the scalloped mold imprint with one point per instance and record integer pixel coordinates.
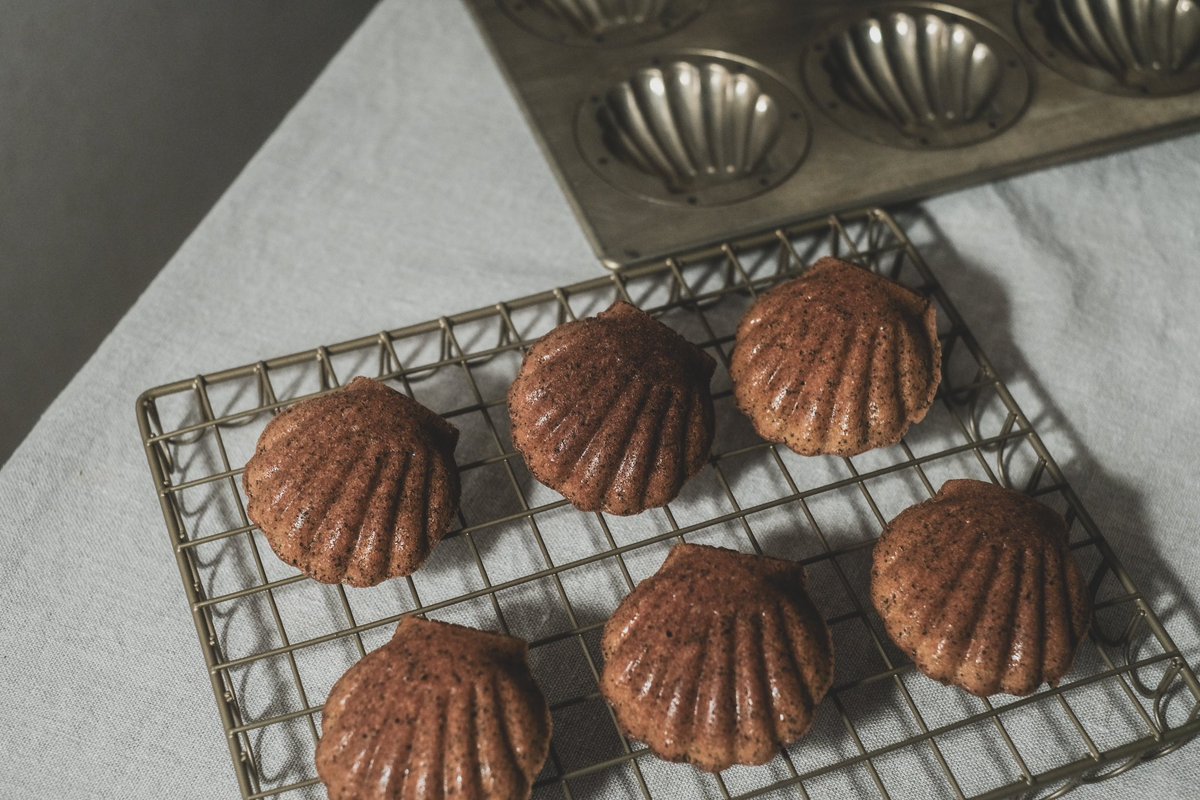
(938, 96)
(918, 70)
(933, 77)
(599, 22)
(702, 131)
(1122, 46)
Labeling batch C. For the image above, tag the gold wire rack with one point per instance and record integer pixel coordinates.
(525, 562)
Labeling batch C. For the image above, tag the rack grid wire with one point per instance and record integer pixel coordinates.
(524, 562)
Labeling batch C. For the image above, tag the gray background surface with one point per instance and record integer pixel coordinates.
(120, 125)
(405, 185)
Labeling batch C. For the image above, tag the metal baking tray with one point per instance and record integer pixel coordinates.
(525, 562)
(672, 124)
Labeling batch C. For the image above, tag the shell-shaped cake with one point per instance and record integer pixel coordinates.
(440, 711)
(979, 587)
(918, 69)
(838, 361)
(357, 486)
(719, 658)
(614, 411)
(689, 121)
(1130, 37)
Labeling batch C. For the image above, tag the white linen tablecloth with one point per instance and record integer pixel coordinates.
(406, 185)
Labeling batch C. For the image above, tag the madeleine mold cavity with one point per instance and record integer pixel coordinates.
(700, 130)
(918, 76)
(674, 124)
(600, 22)
(1120, 46)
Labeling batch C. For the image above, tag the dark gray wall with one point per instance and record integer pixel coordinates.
(121, 122)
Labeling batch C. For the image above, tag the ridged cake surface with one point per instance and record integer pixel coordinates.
(720, 658)
(614, 411)
(837, 361)
(979, 587)
(440, 711)
(357, 486)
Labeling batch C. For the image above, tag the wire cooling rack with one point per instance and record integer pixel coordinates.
(524, 562)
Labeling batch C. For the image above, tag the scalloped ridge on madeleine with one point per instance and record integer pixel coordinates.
(719, 658)
(439, 711)
(979, 587)
(614, 411)
(837, 361)
(358, 485)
